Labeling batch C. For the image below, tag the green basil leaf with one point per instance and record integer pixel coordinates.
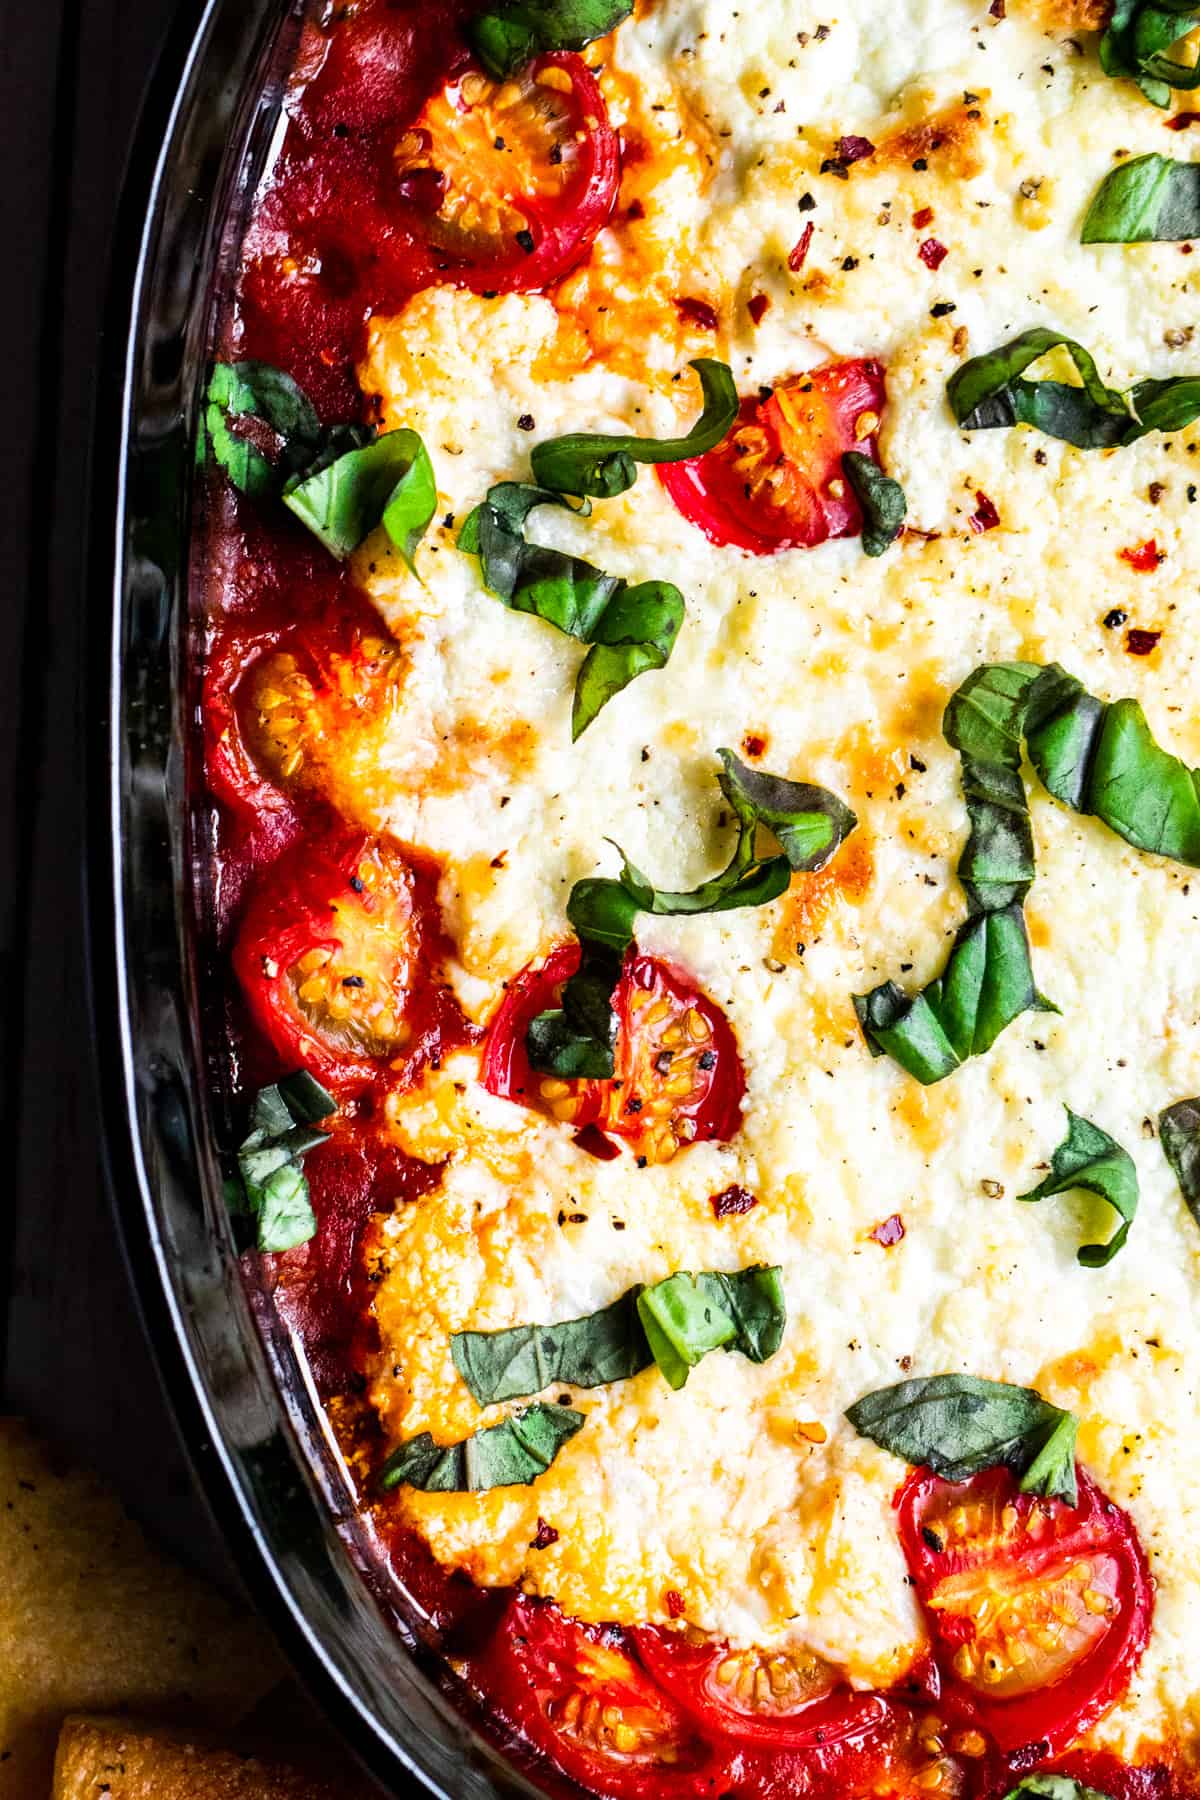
(1102, 760)
(686, 1316)
(1053, 1787)
(1088, 1158)
(674, 1323)
(986, 984)
(285, 1217)
(258, 462)
(589, 1352)
(959, 1425)
(809, 824)
(1148, 200)
(631, 629)
(604, 466)
(883, 502)
(511, 1454)
(273, 1188)
(989, 392)
(348, 493)
(1179, 1130)
(507, 36)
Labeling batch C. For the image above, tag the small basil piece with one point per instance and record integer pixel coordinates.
(508, 36)
(1053, 1787)
(603, 1346)
(511, 1454)
(1136, 39)
(686, 1316)
(883, 502)
(1088, 1158)
(959, 1425)
(273, 1188)
(1179, 1131)
(631, 629)
(349, 492)
(603, 466)
(990, 391)
(809, 824)
(986, 984)
(1148, 200)
(259, 458)
(673, 1323)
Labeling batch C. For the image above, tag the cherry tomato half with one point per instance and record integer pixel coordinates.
(776, 482)
(510, 181)
(329, 955)
(1040, 1611)
(577, 1694)
(678, 1074)
(766, 1697)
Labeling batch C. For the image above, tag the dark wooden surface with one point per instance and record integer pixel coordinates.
(72, 1356)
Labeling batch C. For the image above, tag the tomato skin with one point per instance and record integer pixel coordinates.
(711, 1110)
(1040, 1540)
(767, 488)
(539, 1667)
(836, 1718)
(305, 904)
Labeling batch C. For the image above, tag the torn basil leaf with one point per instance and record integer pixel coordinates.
(959, 1425)
(1053, 1787)
(631, 629)
(603, 1346)
(807, 822)
(1148, 200)
(1088, 1158)
(604, 466)
(508, 36)
(511, 1454)
(262, 427)
(673, 1323)
(1179, 1131)
(349, 492)
(273, 1187)
(1136, 39)
(883, 502)
(990, 392)
(986, 984)
(686, 1316)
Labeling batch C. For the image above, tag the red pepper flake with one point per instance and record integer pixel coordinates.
(697, 312)
(1141, 643)
(997, 10)
(732, 1201)
(754, 743)
(1181, 121)
(676, 1604)
(1143, 557)
(593, 1140)
(546, 1535)
(796, 259)
(635, 210)
(922, 217)
(889, 1231)
(853, 149)
(985, 517)
(758, 305)
(932, 254)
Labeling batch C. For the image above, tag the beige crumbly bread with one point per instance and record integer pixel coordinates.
(122, 1759)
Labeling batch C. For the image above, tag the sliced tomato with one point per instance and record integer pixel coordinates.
(276, 700)
(578, 1695)
(678, 1076)
(776, 482)
(768, 1697)
(509, 181)
(329, 954)
(1040, 1611)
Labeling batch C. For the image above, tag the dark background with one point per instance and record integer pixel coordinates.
(73, 1360)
